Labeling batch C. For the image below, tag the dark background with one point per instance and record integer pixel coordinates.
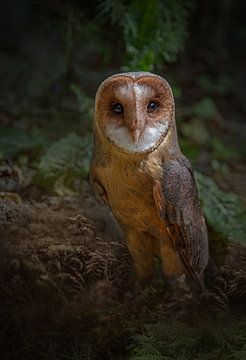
(67, 288)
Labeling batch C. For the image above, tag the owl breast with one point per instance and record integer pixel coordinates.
(130, 195)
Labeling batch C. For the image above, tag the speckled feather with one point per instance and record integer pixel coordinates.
(180, 207)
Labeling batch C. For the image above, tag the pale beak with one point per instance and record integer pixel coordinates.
(135, 135)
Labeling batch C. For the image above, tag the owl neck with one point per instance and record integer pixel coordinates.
(170, 146)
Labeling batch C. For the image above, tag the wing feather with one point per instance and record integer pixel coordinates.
(178, 205)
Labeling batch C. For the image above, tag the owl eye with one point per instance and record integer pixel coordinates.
(152, 106)
(117, 108)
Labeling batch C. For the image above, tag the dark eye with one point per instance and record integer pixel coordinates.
(152, 106)
(117, 108)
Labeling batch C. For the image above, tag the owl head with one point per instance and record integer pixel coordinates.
(134, 111)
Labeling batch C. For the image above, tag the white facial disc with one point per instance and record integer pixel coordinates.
(149, 138)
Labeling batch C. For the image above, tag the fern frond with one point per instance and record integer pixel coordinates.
(85, 102)
(15, 141)
(179, 341)
(69, 157)
(224, 211)
(154, 32)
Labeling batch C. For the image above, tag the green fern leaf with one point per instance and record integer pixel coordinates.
(174, 340)
(154, 32)
(68, 158)
(15, 141)
(224, 211)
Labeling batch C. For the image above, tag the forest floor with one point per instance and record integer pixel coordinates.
(68, 289)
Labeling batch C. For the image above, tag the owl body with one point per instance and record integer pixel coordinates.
(136, 161)
(129, 187)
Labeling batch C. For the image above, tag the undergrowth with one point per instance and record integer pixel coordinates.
(154, 32)
(65, 160)
(224, 211)
(69, 159)
(173, 340)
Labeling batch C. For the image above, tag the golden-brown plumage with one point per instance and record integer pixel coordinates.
(140, 172)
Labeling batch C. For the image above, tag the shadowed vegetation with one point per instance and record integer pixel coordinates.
(68, 290)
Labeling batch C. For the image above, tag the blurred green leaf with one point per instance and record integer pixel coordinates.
(206, 83)
(219, 166)
(220, 85)
(177, 91)
(65, 160)
(222, 151)
(14, 142)
(196, 131)
(154, 31)
(22, 160)
(224, 211)
(191, 151)
(85, 102)
(205, 108)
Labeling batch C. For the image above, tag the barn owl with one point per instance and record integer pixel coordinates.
(140, 173)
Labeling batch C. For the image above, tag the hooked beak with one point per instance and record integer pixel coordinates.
(135, 135)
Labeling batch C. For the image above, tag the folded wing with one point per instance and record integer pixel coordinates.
(178, 205)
